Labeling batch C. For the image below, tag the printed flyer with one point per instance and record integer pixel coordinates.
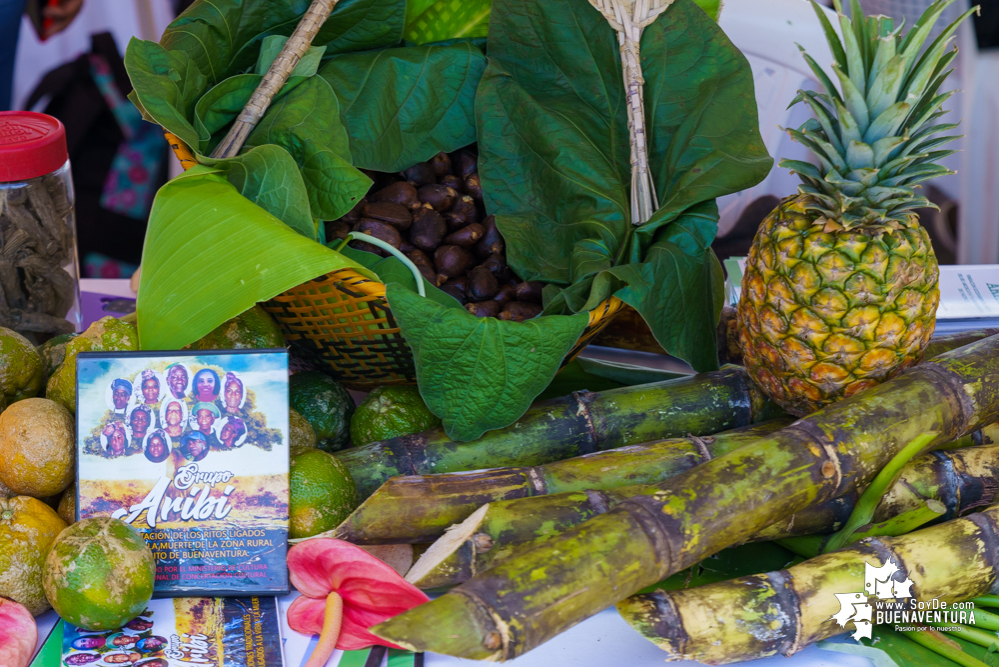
(213, 632)
(191, 450)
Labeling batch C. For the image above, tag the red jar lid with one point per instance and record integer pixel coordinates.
(31, 145)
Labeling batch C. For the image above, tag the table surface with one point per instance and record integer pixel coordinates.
(604, 640)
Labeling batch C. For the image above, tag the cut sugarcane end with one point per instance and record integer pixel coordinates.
(423, 573)
(452, 624)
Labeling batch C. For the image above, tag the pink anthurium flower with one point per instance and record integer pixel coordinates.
(345, 590)
(18, 634)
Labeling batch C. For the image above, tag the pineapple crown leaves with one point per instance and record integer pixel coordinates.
(876, 135)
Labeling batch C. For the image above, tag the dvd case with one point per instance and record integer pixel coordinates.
(191, 450)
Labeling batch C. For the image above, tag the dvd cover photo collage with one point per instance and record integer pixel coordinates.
(134, 645)
(184, 409)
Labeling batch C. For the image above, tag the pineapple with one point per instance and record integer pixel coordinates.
(840, 288)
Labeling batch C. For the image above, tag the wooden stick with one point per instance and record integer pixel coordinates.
(629, 18)
(276, 76)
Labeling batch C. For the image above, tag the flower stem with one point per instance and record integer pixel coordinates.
(941, 645)
(330, 633)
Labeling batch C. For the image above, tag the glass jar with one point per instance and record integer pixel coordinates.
(39, 275)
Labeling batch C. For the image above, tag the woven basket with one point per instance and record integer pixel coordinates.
(343, 321)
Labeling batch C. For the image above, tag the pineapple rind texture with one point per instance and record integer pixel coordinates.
(825, 314)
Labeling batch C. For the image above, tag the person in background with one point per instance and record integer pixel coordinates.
(58, 15)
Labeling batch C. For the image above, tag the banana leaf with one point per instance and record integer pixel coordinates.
(211, 254)
(439, 20)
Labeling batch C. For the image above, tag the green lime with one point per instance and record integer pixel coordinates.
(105, 335)
(391, 411)
(326, 405)
(53, 352)
(253, 329)
(321, 493)
(21, 373)
(301, 435)
(99, 574)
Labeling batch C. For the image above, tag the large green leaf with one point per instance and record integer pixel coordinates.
(267, 175)
(223, 37)
(553, 134)
(480, 373)
(583, 374)
(403, 106)
(167, 85)
(211, 254)
(700, 105)
(306, 120)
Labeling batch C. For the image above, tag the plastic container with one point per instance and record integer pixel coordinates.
(39, 274)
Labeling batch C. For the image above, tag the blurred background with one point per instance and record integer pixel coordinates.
(63, 57)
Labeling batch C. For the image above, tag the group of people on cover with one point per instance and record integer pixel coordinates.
(119, 647)
(176, 410)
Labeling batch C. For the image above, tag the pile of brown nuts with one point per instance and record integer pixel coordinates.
(433, 213)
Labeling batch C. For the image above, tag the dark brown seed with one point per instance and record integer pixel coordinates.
(354, 214)
(420, 174)
(460, 281)
(441, 164)
(380, 230)
(367, 247)
(406, 246)
(474, 187)
(452, 181)
(482, 284)
(456, 292)
(467, 236)
(452, 261)
(491, 242)
(504, 296)
(468, 164)
(427, 230)
(463, 212)
(497, 265)
(518, 311)
(399, 192)
(529, 291)
(441, 279)
(423, 263)
(441, 197)
(394, 214)
(483, 308)
(336, 229)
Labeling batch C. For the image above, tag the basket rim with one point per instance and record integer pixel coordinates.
(368, 286)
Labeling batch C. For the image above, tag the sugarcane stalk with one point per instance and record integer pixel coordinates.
(418, 508)
(783, 612)
(582, 423)
(277, 75)
(960, 480)
(518, 605)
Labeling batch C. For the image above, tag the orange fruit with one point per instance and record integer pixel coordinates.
(37, 447)
(321, 493)
(28, 527)
(99, 574)
(67, 505)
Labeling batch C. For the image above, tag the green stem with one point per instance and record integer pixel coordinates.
(987, 600)
(942, 646)
(395, 252)
(987, 620)
(809, 546)
(863, 511)
(973, 635)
